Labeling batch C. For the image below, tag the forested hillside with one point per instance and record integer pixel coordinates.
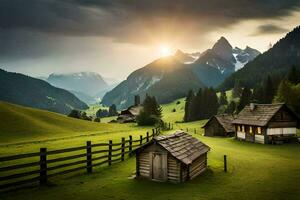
(24, 90)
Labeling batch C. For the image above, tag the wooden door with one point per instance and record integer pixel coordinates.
(250, 137)
(159, 166)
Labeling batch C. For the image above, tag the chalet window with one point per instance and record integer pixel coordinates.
(243, 128)
(258, 130)
(250, 129)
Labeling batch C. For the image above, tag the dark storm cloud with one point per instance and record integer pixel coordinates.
(269, 29)
(123, 20)
(104, 17)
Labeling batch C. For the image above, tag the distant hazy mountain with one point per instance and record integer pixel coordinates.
(111, 81)
(87, 82)
(85, 98)
(170, 78)
(166, 78)
(85, 85)
(24, 90)
(276, 61)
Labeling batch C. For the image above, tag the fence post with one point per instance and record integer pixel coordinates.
(147, 137)
(225, 163)
(141, 140)
(43, 166)
(153, 132)
(130, 145)
(195, 130)
(89, 157)
(169, 126)
(109, 152)
(123, 149)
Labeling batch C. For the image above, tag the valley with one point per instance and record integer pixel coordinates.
(144, 100)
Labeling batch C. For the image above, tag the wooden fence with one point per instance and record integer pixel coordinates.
(42, 167)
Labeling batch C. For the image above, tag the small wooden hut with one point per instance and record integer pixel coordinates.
(266, 123)
(175, 158)
(219, 125)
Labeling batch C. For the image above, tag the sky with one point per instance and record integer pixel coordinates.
(116, 37)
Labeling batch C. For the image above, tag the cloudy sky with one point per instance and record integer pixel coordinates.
(115, 37)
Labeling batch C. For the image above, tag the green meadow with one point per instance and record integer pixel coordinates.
(254, 171)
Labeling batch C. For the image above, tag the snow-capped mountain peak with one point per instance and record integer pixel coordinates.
(221, 56)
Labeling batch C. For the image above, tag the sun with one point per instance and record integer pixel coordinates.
(165, 50)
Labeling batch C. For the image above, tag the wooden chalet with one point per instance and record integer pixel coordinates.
(175, 158)
(219, 125)
(130, 114)
(266, 123)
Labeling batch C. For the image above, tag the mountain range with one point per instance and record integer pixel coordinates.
(27, 91)
(171, 77)
(87, 86)
(277, 61)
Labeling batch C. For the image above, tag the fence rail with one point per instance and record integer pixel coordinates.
(40, 169)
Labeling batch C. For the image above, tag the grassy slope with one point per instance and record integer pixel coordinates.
(33, 128)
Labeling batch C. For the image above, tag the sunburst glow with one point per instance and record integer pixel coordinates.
(165, 50)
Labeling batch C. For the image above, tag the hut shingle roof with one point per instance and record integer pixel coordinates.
(259, 116)
(182, 146)
(225, 120)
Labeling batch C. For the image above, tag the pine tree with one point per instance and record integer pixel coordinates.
(269, 91)
(212, 103)
(196, 105)
(156, 108)
(151, 113)
(188, 100)
(293, 76)
(258, 94)
(245, 98)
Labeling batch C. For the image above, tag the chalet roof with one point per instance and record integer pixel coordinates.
(225, 120)
(133, 110)
(182, 146)
(259, 116)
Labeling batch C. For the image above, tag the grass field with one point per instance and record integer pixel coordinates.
(255, 171)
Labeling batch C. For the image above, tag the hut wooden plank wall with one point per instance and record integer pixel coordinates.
(219, 125)
(266, 123)
(175, 158)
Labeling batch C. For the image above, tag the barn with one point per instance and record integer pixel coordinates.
(219, 125)
(175, 158)
(266, 123)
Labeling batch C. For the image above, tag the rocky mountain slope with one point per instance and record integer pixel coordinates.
(171, 77)
(276, 61)
(166, 78)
